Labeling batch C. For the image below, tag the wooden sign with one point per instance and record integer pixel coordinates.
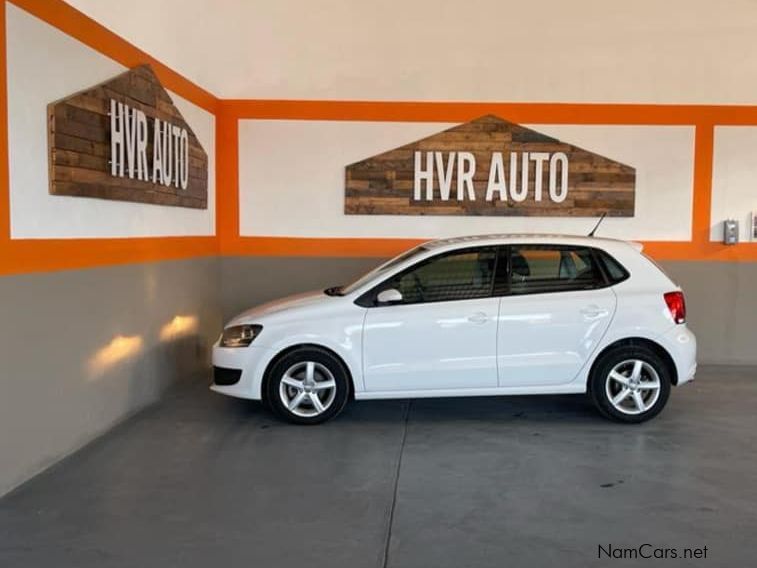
(490, 166)
(124, 139)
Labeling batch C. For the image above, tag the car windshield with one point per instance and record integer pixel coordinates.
(381, 269)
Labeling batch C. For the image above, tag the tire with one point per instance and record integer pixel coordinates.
(308, 385)
(623, 381)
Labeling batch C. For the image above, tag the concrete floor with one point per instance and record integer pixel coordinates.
(202, 480)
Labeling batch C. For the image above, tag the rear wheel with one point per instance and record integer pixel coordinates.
(308, 386)
(630, 384)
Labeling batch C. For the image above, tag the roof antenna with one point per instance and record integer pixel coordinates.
(602, 218)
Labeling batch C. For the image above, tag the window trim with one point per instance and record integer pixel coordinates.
(368, 299)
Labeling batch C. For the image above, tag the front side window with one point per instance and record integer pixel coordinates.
(459, 275)
(536, 269)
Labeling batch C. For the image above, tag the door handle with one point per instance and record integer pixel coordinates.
(593, 312)
(478, 317)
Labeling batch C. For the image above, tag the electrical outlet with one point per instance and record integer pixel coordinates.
(730, 231)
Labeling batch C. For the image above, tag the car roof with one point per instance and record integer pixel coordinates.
(525, 238)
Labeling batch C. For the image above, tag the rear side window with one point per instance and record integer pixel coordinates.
(459, 275)
(537, 269)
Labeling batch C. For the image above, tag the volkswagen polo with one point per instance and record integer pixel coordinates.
(470, 316)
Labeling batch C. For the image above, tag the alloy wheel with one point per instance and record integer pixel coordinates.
(633, 386)
(307, 389)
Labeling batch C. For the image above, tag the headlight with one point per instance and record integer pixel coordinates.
(239, 335)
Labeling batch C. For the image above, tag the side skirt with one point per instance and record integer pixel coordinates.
(573, 388)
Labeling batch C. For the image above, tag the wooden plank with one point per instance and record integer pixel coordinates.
(81, 130)
(70, 158)
(64, 142)
(126, 194)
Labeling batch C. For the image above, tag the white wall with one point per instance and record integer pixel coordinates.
(672, 51)
(291, 177)
(734, 180)
(44, 65)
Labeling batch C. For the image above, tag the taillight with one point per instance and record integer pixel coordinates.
(676, 305)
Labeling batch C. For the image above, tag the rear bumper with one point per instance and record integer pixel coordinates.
(681, 343)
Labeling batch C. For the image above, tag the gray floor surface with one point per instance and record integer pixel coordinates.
(203, 480)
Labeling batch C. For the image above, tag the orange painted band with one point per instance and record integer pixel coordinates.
(702, 191)
(21, 256)
(523, 113)
(227, 177)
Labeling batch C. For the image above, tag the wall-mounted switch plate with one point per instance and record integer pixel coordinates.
(730, 231)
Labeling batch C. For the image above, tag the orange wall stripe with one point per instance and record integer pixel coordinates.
(535, 113)
(227, 176)
(63, 254)
(718, 252)
(69, 20)
(702, 197)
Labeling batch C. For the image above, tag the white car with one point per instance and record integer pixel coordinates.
(471, 316)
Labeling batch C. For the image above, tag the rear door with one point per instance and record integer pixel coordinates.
(555, 309)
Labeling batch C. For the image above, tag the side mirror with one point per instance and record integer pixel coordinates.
(389, 296)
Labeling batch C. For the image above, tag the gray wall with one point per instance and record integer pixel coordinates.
(721, 298)
(64, 380)
(721, 306)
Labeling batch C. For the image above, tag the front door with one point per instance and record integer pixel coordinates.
(556, 312)
(442, 334)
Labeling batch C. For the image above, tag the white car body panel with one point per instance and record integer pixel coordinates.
(433, 346)
(528, 344)
(545, 339)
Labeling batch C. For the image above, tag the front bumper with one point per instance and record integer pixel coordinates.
(224, 377)
(251, 361)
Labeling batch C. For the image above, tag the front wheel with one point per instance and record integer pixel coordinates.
(308, 386)
(630, 384)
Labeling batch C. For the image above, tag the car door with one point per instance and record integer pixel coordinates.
(553, 314)
(442, 333)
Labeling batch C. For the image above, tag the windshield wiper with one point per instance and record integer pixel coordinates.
(334, 291)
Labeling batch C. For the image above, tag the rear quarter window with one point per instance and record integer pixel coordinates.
(615, 271)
